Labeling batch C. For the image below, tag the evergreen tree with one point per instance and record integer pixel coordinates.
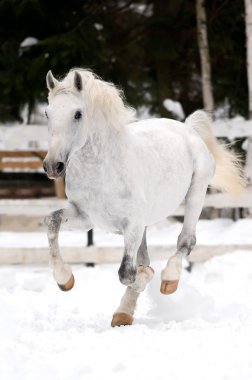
(148, 47)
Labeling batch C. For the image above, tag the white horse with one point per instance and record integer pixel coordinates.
(123, 176)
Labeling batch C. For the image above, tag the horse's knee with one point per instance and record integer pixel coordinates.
(53, 221)
(127, 271)
(186, 243)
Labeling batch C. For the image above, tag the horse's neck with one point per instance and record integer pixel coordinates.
(104, 141)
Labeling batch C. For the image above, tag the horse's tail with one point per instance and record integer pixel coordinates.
(228, 174)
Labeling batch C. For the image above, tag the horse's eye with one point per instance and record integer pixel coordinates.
(78, 115)
(46, 114)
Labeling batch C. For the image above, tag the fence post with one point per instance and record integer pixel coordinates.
(248, 169)
(90, 238)
(90, 242)
(59, 185)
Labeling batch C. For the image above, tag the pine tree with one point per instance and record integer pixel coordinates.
(148, 47)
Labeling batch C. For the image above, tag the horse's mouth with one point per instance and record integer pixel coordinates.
(56, 175)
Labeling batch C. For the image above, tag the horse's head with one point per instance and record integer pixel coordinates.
(80, 105)
(66, 122)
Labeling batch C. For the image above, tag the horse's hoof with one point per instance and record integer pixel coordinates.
(121, 319)
(68, 286)
(168, 287)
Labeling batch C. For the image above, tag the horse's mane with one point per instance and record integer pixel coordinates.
(98, 96)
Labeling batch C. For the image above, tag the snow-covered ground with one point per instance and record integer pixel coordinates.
(203, 331)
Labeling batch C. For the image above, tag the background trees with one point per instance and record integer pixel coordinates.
(149, 47)
(207, 90)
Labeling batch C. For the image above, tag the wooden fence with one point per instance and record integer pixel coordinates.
(41, 207)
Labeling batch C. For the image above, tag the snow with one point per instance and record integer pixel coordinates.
(201, 332)
(28, 42)
(18, 137)
(143, 113)
(232, 128)
(98, 26)
(209, 232)
(38, 113)
(142, 9)
(175, 108)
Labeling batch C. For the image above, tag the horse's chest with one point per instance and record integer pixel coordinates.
(104, 211)
(102, 197)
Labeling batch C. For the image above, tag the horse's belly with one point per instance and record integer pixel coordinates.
(166, 206)
(167, 167)
(168, 193)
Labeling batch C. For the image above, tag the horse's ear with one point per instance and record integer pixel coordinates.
(77, 81)
(50, 80)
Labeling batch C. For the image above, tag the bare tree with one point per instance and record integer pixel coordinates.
(248, 21)
(207, 91)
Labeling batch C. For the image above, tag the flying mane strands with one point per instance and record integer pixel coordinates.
(99, 95)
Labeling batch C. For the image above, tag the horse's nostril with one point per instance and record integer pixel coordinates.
(59, 167)
(45, 167)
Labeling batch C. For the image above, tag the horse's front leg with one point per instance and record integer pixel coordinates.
(125, 311)
(132, 241)
(62, 272)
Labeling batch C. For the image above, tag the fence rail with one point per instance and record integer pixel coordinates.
(99, 255)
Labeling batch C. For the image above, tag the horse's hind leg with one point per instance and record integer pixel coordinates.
(62, 272)
(142, 253)
(187, 239)
(125, 311)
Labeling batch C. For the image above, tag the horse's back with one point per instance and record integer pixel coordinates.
(158, 127)
(169, 139)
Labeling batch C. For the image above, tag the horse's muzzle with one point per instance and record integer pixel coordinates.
(54, 170)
